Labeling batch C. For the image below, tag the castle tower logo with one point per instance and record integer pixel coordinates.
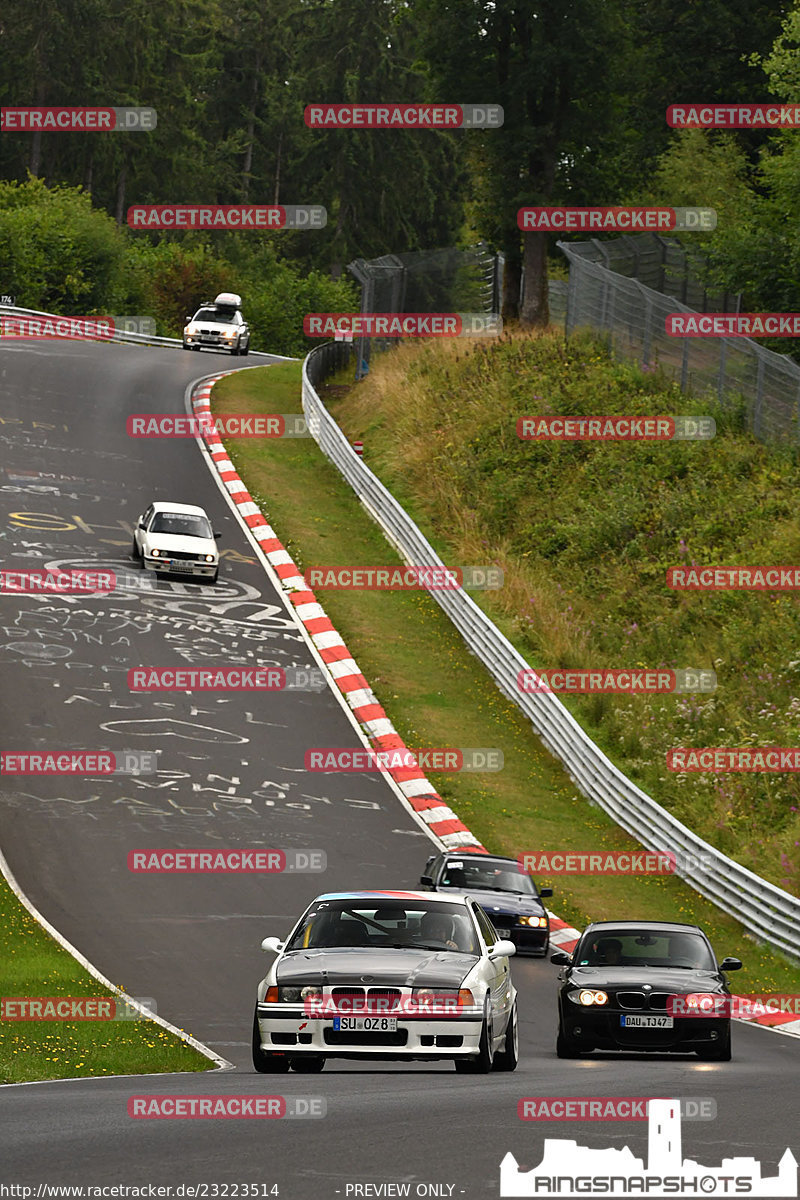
(568, 1169)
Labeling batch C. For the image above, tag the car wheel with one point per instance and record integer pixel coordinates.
(545, 950)
(567, 1049)
(186, 346)
(507, 1058)
(481, 1063)
(307, 1065)
(135, 551)
(214, 577)
(247, 348)
(720, 1052)
(266, 1064)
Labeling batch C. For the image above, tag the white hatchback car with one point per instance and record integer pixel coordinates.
(388, 975)
(220, 326)
(176, 538)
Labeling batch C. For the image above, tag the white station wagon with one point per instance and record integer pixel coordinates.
(176, 538)
(219, 326)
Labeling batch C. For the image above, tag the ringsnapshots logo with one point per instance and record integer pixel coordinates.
(227, 216)
(733, 579)
(78, 762)
(734, 116)
(57, 329)
(569, 1169)
(399, 325)
(226, 679)
(615, 429)
(223, 425)
(253, 861)
(68, 583)
(732, 325)
(77, 1008)
(31, 119)
(617, 219)
(773, 760)
(204, 1108)
(608, 1108)
(624, 680)
(408, 578)
(400, 758)
(403, 116)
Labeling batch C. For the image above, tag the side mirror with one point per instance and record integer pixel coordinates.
(502, 949)
(730, 964)
(272, 943)
(427, 880)
(142, 525)
(561, 958)
(545, 891)
(217, 536)
(186, 320)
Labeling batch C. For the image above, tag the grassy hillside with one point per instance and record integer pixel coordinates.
(585, 533)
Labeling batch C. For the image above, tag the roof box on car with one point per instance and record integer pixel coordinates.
(228, 300)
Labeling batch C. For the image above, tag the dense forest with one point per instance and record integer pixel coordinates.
(584, 87)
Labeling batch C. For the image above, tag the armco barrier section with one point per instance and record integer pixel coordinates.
(765, 910)
(139, 339)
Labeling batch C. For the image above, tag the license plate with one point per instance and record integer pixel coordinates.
(637, 1022)
(181, 566)
(502, 933)
(365, 1024)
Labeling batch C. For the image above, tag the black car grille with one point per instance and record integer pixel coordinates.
(338, 1037)
(372, 993)
(640, 1000)
(184, 554)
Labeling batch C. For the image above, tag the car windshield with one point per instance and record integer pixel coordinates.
(644, 948)
(216, 314)
(487, 877)
(391, 924)
(185, 524)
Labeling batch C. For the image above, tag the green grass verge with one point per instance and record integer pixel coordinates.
(437, 694)
(34, 965)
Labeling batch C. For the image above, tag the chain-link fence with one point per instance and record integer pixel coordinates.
(664, 264)
(426, 281)
(633, 317)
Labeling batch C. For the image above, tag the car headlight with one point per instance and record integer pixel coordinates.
(209, 558)
(533, 922)
(155, 553)
(587, 997)
(294, 993)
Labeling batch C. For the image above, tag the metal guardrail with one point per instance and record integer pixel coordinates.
(140, 339)
(765, 910)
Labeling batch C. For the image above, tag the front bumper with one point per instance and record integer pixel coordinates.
(211, 340)
(292, 1031)
(184, 567)
(604, 1031)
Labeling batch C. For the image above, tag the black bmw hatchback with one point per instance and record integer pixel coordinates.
(643, 986)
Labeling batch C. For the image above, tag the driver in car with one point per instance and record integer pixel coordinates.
(437, 927)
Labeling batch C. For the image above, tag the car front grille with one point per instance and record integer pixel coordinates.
(636, 1000)
(184, 555)
(381, 996)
